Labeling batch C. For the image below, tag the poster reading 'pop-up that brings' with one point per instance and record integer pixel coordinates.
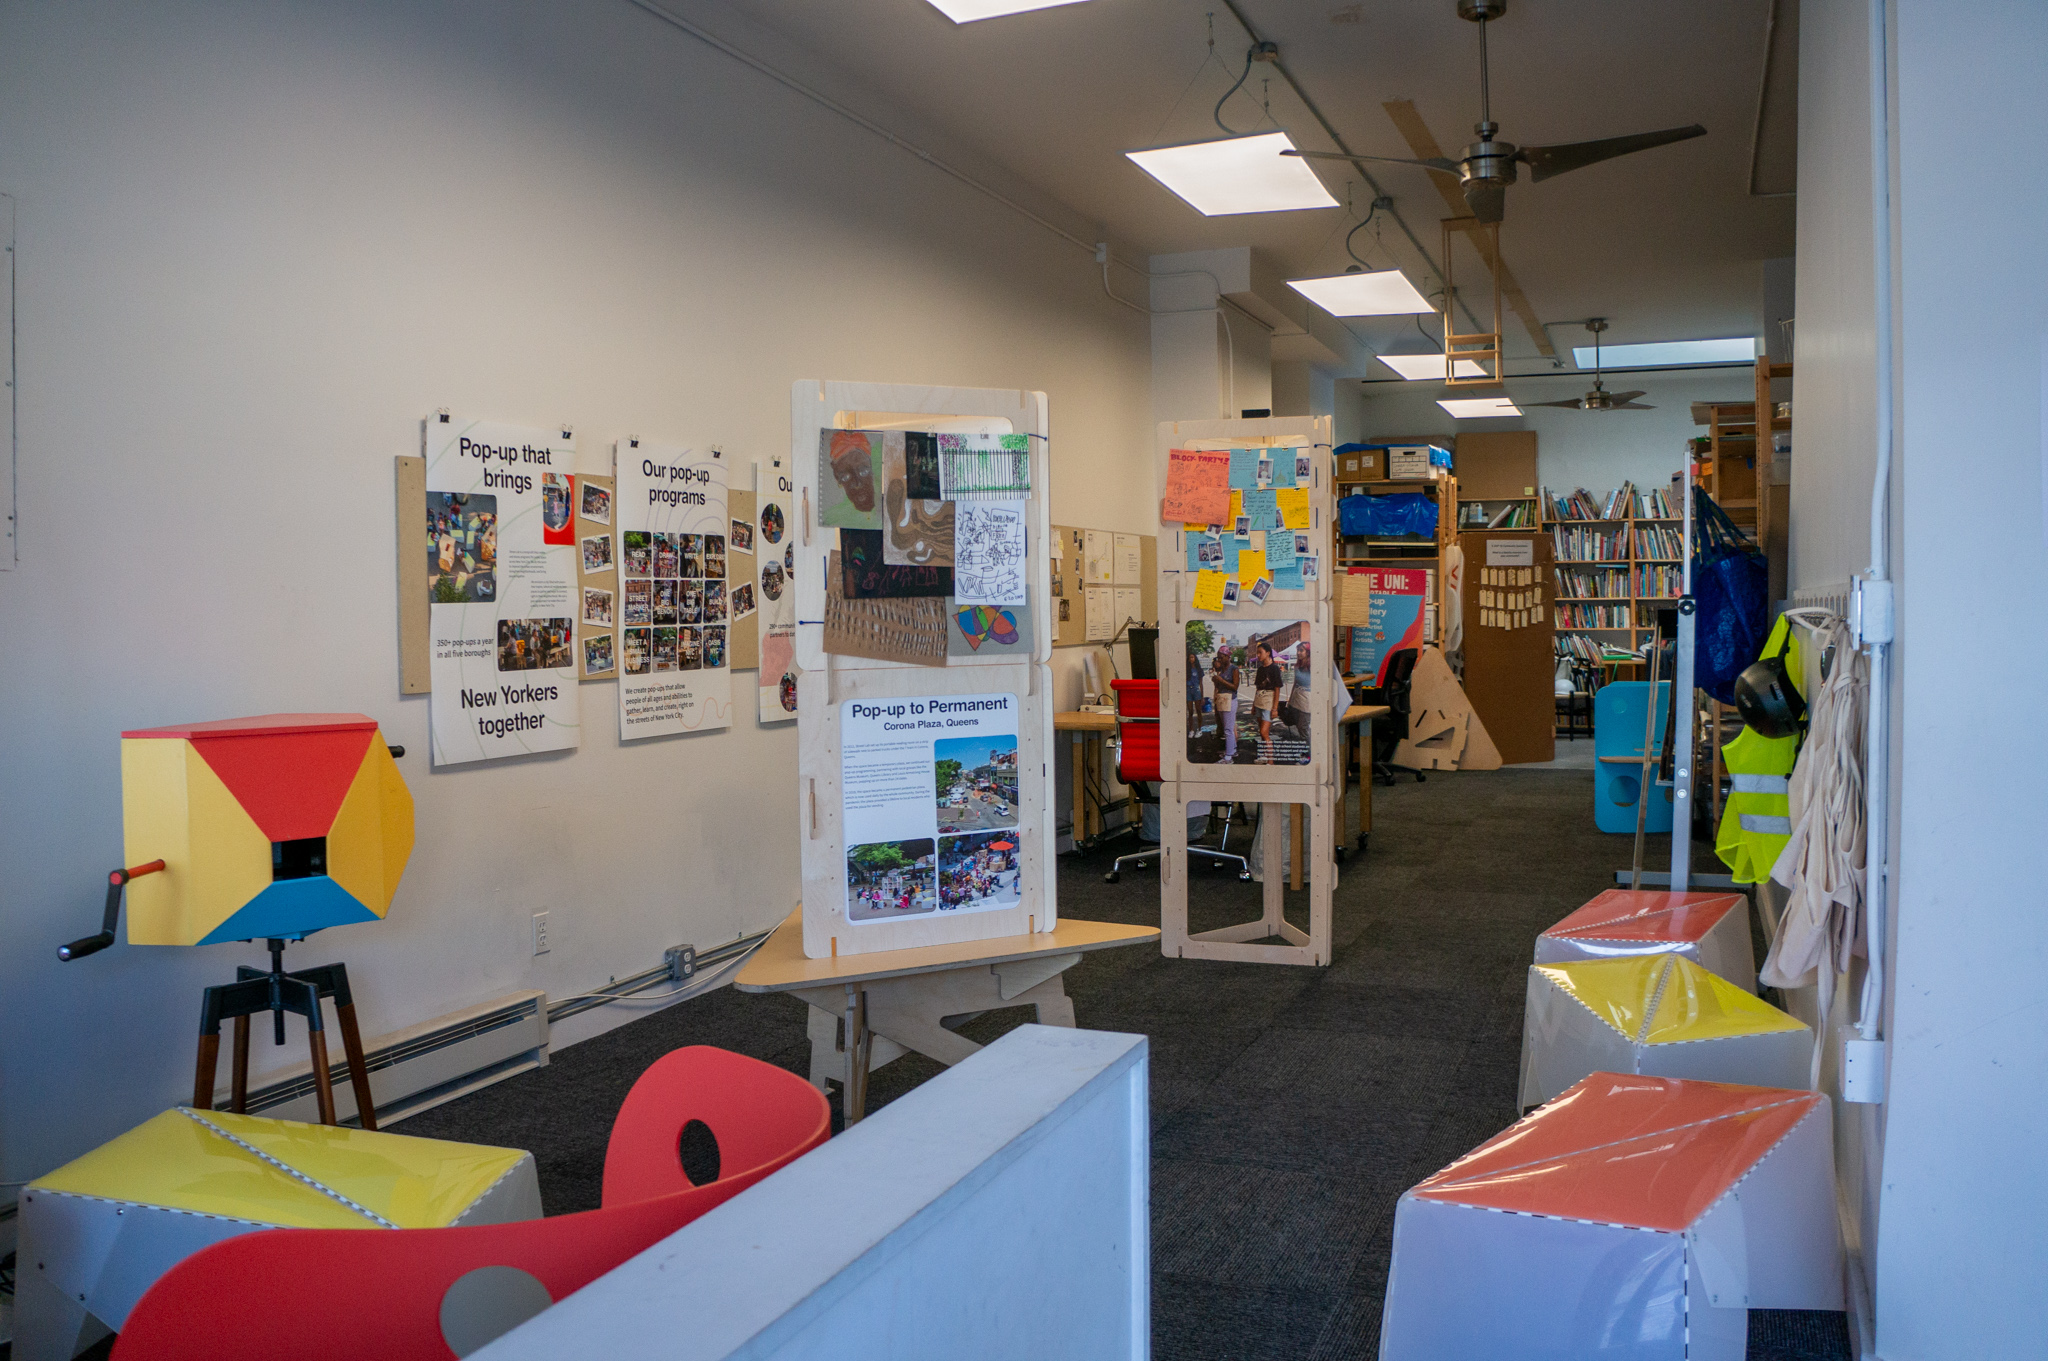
(501, 583)
(675, 610)
(929, 798)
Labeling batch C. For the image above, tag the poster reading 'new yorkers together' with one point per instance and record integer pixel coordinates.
(929, 796)
(501, 583)
(673, 672)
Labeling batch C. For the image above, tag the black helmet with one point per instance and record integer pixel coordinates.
(1766, 697)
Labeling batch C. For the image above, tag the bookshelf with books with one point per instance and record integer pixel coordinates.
(1616, 555)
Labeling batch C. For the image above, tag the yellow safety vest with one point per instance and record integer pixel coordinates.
(1756, 820)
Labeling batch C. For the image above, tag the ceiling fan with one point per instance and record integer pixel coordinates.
(1600, 399)
(1488, 166)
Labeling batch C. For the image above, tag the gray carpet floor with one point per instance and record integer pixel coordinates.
(1290, 1106)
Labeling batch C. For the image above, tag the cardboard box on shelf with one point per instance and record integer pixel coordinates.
(1362, 465)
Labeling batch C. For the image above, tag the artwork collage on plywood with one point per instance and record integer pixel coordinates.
(933, 557)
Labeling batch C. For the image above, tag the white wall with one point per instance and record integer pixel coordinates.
(1960, 1255)
(1595, 450)
(258, 243)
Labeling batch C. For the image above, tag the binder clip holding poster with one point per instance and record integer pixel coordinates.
(917, 529)
(1260, 657)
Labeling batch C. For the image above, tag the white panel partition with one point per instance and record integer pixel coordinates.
(999, 1211)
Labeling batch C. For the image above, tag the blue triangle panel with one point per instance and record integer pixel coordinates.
(292, 907)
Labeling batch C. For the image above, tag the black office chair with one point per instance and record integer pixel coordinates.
(1585, 680)
(1389, 732)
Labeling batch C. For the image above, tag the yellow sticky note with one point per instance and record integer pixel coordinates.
(1195, 528)
(1236, 507)
(1209, 590)
(1251, 565)
(1293, 504)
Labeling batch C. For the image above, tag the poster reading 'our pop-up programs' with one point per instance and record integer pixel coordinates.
(929, 802)
(501, 582)
(675, 611)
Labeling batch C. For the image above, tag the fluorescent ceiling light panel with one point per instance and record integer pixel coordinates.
(967, 11)
(1739, 350)
(1382, 293)
(1237, 175)
(1471, 408)
(1417, 368)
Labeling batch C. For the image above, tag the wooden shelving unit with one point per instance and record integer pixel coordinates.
(1636, 560)
(1416, 552)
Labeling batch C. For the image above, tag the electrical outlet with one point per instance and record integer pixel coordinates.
(540, 933)
(681, 961)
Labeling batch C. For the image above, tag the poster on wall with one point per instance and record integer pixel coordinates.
(775, 593)
(1255, 676)
(502, 588)
(1397, 601)
(930, 805)
(675, 611)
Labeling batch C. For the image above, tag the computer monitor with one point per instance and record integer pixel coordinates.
(1144, 653)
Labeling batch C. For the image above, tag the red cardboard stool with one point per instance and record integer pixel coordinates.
(1633, 1219)
(1710, 929)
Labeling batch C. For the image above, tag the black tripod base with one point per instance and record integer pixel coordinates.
(277, 991)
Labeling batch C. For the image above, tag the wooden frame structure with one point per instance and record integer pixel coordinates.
(1481, 347)
(1305, 791)
(829, 680)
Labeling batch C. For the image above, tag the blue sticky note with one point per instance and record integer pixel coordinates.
(1244, 469)
(1264, 510)
(1279, 547)
(1287, 575)
(1283, 467)
(1196, 541)
(1230, 547)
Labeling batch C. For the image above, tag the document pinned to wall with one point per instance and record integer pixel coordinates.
(1129, 567)
(675, 672)
(1128, 606)
(989, 563)
(1100, 603)
(1197, 487)
(1099, 557)
(502, 588)
(1510, 552)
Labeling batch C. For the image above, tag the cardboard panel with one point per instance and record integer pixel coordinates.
(597, 639)
(1496, 465)
(1509, 659)
(415, 674)
(743, 634)
(1070, 601)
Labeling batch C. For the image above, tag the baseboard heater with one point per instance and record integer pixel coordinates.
(418, 1068)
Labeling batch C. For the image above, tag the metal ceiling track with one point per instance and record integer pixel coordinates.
(1315, 112)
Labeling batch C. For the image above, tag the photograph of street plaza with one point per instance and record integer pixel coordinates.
(887, 879)
(976, 780)
(979, 870)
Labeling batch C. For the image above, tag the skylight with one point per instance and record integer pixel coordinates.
(1381, 293)
(1472, 408)
(967, 11)
(1236, 175)
(1659, 354)
(1417, 368)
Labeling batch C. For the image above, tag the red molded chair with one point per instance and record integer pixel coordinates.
(1137, 764)
(436, 1294)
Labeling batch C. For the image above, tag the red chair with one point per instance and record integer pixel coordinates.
(1137, 765)
(436, 1294)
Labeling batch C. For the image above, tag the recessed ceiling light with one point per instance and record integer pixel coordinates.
(1739, 350)
(1381, 293)
(1236, 175)
(1472, 408)
(1418, 368)
(967, 11)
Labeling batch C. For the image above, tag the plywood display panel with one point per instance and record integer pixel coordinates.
(1496, 465)
(742, 635)
(834, 922)
(595, 534)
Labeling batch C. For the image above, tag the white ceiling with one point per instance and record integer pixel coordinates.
(1665, 243)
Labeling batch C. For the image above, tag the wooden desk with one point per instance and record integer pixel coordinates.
(1090, 734)
(894, 1001)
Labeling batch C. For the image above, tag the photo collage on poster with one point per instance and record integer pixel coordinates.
(675, 608)
(1249, 692)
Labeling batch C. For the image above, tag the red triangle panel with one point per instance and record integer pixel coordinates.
(291, 784)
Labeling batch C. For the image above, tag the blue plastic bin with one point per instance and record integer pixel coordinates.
(1618, 731)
